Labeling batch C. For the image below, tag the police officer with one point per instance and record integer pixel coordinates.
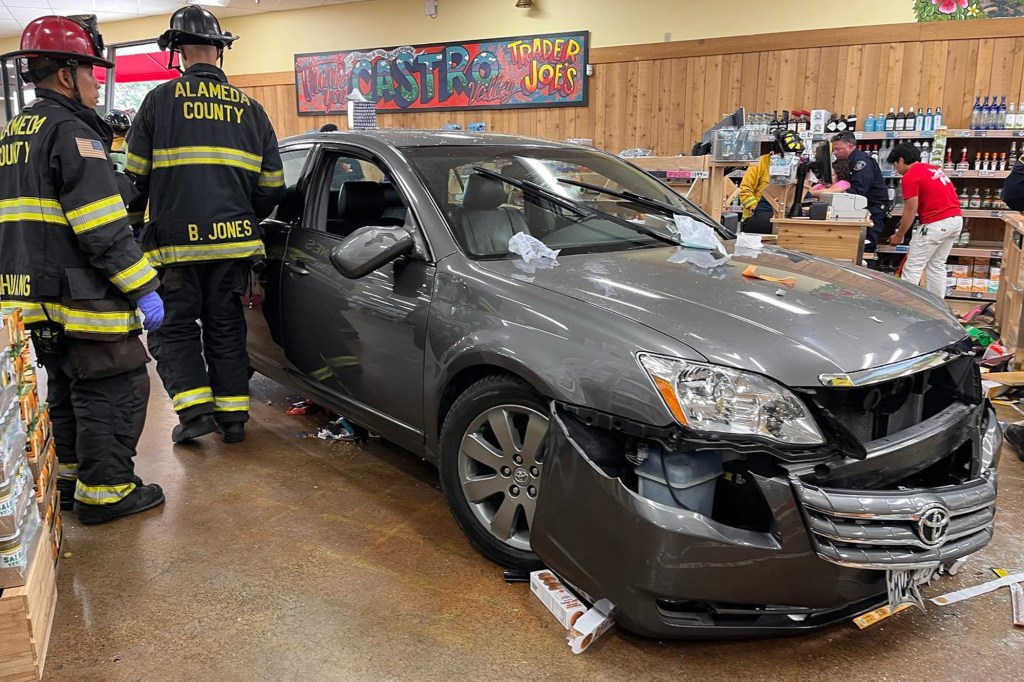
(1013, 188)
(205, 156)
(68, 260)
(866, 180)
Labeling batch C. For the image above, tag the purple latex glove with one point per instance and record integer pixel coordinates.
(152, 307)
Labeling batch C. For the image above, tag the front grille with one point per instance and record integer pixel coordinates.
(880, 410)
(882, 528)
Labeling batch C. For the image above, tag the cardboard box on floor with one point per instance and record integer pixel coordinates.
(584, 625)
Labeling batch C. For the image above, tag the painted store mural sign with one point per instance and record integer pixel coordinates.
(946, 10)
(547, 70)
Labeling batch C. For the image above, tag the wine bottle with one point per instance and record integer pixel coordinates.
(986, 200)
(1002, 162)
(901, 121)
(963, 165)
(890, 119)
(977, 161)
(965, 198)
(851, 120)
(1000, 119)
(976, 114)
(975, 199)
(986, 163)
(949, 165)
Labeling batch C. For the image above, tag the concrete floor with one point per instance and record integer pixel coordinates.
(300, 559)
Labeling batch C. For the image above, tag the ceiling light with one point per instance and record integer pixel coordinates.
(524, 4)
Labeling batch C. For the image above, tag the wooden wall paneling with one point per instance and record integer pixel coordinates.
(799, 78)
(732, 80)
(810, 78)
(956, 82)
(911, 76)
(1017, 69)
(892, 65)
(678, 136)
(712, 90)
(847, 71)
(1002, 70)
(763, 98)
(696, 109)
(772, 81)
(848, 96)
(982, 65)
(936, 91)
(829, 68)
(868, 67)
(633, 97)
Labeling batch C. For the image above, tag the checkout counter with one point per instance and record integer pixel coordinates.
(836, 225)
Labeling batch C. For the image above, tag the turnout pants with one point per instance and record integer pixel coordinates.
(200, 348)
(98, 392)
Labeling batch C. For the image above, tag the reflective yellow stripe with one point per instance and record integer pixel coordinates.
(97, 214)
(136, 217)
(32, 208)
(137, 164)
(195, 396)
(166, 255)
(272, 179)
(102, 494)
(74, 319)
(205, 156)
(748, 202)
(231, 403)
(67, 472)
(322, 374)
(135, 276)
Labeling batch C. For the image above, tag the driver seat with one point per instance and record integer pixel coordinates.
(484, 225)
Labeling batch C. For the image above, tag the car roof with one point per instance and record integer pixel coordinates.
(425, 138)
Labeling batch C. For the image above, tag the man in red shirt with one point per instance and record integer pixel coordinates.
(929, 193)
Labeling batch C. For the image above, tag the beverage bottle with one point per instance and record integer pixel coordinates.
(851, 120)
(1011, 116)
(949, 161)
(986, 164)
(965, 198)
(986, 113)
(939, 120)
(910, 121)
(976, 114)
(975, 199)
(869, 124)
(1002, 162)
(965, 235)
(986, 200)
(901, 121)
(833, 125)
(977, 161)
(963, 161)
(1013, 156)
(919, 123)
(926, 152)
(774, 125)
(929, 121)
(1000, 121)
(890, 119)
(841, 123)
(874, 154)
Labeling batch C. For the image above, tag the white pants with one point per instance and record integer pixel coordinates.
(929, 249)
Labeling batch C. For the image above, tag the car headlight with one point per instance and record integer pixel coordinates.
(716, 399)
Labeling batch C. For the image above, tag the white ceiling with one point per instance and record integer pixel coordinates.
(15, 14)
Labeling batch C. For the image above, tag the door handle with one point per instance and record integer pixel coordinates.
(298, 267)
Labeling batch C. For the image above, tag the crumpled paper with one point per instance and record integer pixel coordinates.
(692, 234)
(748, 244)
(702, 259)
(530, 249)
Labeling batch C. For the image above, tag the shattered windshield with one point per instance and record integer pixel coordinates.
(484, 212)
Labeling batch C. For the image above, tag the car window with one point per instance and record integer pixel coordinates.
(290, 208)
(484, 210)
(360, 194)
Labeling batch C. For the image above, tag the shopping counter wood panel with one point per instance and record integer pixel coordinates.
(663, 96)
(835, 239)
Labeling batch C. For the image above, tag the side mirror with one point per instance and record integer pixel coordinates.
(370, 248)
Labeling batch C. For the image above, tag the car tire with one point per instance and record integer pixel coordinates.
(468, 440)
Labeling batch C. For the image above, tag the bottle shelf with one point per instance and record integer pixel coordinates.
(968, 213)
(919, 135)
(958, 251)
(971, 296)
(980, 175)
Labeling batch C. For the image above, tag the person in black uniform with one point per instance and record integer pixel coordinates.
(68, 260)
(866, 180)
(1013, 195)
(205, 156)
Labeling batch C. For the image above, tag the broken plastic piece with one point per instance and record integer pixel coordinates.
(529, 248)
(1017, 603)
(692, 234)
(342, 429)
(751, 272)
(303, 407)
(700, 258)
(748, 244)
(881, 613)
(984, 588)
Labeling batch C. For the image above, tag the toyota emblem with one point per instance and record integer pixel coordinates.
(933, 525)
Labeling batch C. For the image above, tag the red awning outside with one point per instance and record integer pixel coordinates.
(132, 68)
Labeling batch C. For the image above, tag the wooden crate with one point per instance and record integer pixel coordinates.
(26, 616)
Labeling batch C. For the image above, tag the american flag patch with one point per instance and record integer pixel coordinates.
(90, 149)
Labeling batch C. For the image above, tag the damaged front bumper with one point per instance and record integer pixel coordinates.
(813, 558)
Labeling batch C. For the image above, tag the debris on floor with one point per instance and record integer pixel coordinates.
(303, 407)
(984, 588)
(584, 625)
(343, 429)
(881, 613)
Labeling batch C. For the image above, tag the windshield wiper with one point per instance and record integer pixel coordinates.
(648, 202)
(577, 207)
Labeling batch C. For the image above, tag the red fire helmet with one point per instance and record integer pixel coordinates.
(63, 38)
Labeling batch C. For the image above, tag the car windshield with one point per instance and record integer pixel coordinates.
(490, 193)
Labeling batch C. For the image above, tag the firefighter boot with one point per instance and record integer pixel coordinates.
(66, 488)
(194, 428)
(233, 432)
(143, 498)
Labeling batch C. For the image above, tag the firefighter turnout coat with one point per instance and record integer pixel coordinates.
(66, 249)
(205, 156)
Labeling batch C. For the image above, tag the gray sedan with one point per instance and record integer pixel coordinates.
(721, 441)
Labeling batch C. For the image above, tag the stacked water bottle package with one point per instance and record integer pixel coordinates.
(29, 507)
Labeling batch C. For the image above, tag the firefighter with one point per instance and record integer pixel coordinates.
(68, 260)
(120, 122)
(205, 156)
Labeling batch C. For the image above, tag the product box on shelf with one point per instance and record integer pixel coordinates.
(979, 285)
(961, 271)
(964, 283)
(14, 549)
(993, 286)
(980, 269)
(994, 273)
(15, 496)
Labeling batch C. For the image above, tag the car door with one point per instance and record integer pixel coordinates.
(359, 342)
(262, 299)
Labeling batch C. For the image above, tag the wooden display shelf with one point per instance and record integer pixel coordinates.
(26, 615)
(969, 213)
(964, 251)
(977, 175)
(972, 296)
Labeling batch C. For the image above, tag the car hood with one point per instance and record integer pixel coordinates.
(834, 318)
